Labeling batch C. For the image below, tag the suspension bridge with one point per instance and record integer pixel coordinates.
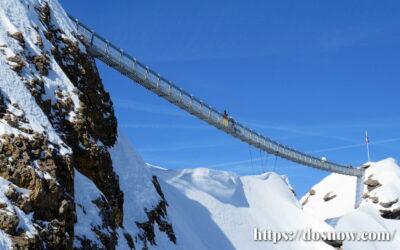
(129, 66)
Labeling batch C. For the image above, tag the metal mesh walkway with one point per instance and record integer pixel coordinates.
(135, 70)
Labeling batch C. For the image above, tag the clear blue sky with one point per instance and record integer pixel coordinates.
(311, 74)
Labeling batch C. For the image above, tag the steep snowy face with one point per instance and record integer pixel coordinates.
(146, 224)
(56, 120)
(332, 197)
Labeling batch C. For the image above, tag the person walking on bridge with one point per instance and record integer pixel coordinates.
(225, 119)
(225, 114)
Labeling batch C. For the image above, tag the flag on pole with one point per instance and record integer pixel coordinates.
(367, 143)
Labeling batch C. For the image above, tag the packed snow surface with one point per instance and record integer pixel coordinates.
(213, 209)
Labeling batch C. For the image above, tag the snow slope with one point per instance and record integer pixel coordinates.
(213, 209)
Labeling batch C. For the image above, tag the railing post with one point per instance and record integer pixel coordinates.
(91, 38)
(191, 101)
(134, 65)
(158, 81)
(170, 88)
(257, 139)
(107, 49)
(220, 118)
(181, 95)
(263, 142)
(120, 57)
(147, 73)
(201, 107)
(76, 24)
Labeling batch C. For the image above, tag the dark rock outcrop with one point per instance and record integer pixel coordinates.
(372, 184)
(389, 203)
(329, 196)
(156, 216)
(31, 161)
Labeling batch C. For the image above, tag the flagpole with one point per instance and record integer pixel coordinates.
(367, 142)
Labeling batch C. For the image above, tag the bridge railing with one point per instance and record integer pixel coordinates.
(137, 71)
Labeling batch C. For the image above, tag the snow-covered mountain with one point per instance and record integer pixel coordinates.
(218, 210)
(70, 180)
(212, 209)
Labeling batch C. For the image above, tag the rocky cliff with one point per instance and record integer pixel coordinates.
(59, 186)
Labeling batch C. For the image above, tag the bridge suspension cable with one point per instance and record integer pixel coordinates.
(262, 162)
(251, 159)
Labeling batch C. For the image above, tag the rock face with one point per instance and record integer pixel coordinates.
(56, 118)
(371, 183)
(329, 196)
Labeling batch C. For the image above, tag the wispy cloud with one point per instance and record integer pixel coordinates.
(355, 145)
(350, 36)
